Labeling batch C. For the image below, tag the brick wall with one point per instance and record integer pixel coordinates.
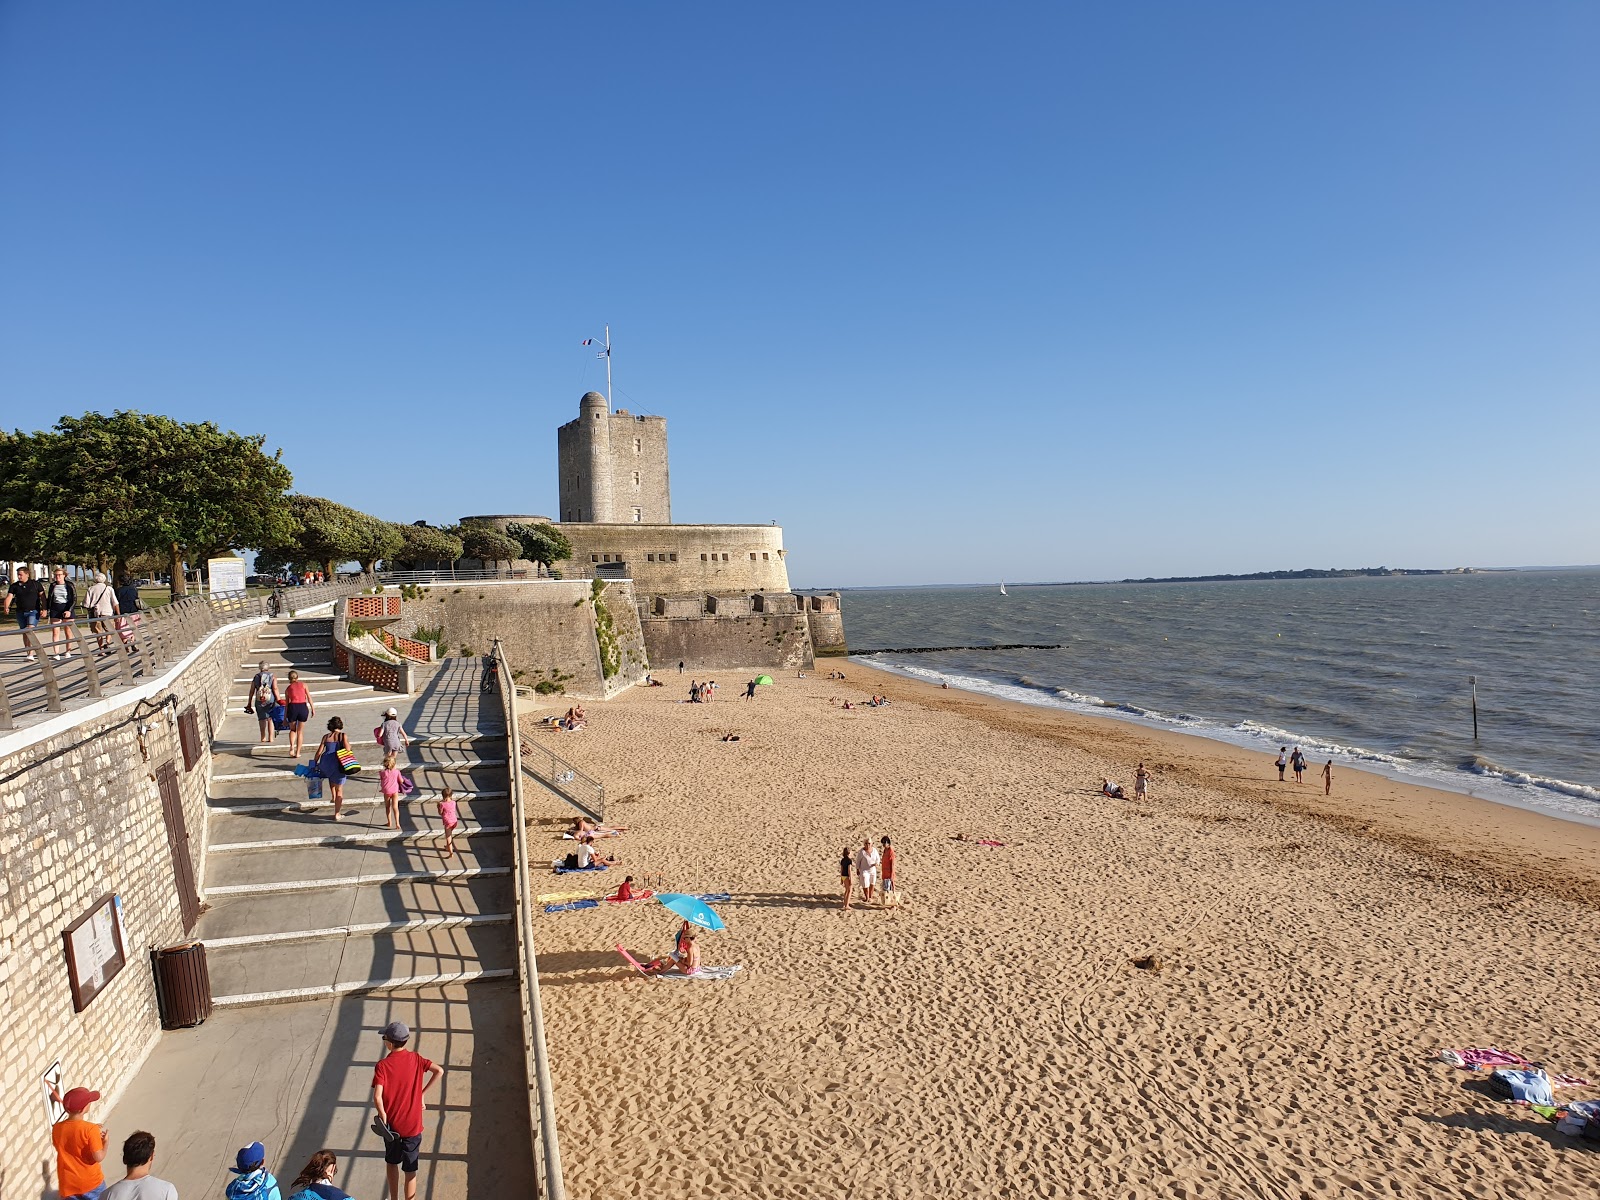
(80, 816)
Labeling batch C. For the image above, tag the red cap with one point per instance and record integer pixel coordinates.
(79, 1099)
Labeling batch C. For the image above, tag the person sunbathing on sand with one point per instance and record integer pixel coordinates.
(682, 948)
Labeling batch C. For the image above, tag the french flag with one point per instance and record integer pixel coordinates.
(587, 342)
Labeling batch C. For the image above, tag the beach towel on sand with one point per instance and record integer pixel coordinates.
(1475, 1058)
(571, 906)
(702, 973)
(561, 869)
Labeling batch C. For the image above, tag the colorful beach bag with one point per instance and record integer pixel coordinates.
(347, 761)
(280, 717)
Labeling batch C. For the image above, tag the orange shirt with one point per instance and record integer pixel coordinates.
(76, 1142)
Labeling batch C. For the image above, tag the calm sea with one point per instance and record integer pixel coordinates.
(1370, 672)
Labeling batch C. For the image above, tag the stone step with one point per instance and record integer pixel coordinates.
(364, 987)
(305, 676)
(335, 883)
(363, 929)
(316, 693)
(425, 835)
(360, 962)
(247, 915)
(356, 860)
(481, 802)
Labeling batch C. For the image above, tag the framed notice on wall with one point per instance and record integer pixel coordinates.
(95, 950)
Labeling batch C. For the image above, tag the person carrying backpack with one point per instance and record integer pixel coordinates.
(262, 700)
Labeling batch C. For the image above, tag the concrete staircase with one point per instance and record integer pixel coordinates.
(300, 907)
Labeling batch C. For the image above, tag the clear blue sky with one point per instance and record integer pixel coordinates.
(953, 292)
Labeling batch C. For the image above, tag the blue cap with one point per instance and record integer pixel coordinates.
(250, 1159)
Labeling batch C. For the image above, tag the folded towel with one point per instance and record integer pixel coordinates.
(702, 973)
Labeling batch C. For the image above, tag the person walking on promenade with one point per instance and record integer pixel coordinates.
(298, 709)
(138, 1153)
(450, 816)
(1283, 761)
(100, 602)
(391, 734)
(326, 759)
(262, 700)
(867, 869)
(62, 598)
(27, 595)
(129, 605)
(389, 780)
(1297, 760)
(886, 868)
(1327, 779)
(315, 1181)
(398, 1083)
(254, 1181)
(846, 861)
(1141, 783)
(80, 1147)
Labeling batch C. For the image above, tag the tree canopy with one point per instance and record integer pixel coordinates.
(425, 544)
(485, 543)
(327, 534)
(543, 544)
(131, 483)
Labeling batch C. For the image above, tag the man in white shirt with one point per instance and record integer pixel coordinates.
(867, 869)
(138, 1153)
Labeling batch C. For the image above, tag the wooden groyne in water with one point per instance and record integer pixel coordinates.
(936, 649)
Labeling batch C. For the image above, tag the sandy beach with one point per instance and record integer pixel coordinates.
(992, 1036)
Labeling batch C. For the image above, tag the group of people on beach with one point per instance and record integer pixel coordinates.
(1296, 761)
(400, 1079)
(869, 867)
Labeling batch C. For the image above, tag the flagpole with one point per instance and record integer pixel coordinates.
(608, 368)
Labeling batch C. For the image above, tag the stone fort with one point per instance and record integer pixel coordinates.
(709, 595)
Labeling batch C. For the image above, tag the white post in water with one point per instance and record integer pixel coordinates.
(1473, 680)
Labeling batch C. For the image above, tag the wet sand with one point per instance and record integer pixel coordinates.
(993, 1036)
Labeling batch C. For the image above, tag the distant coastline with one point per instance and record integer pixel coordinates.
(1312, 573)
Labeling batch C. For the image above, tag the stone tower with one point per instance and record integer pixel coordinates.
(613, 467)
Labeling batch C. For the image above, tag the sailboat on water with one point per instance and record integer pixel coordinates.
(1003, 591)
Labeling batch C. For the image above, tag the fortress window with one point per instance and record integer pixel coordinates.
(673, 557)
(702, 558)
(649, 558)
(594, 558)
(638, 516)
(636, 479)
(638, 445)
(752, 556)
(724, 558)
(764, 556)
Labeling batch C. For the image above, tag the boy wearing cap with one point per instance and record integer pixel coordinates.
(80, 1147)
(398, 1082)
(138, 1152)
(254, 1181)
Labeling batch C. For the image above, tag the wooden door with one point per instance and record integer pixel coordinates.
(178, 844)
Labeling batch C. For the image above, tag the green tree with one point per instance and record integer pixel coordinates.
(543, 544)
(425, 544)
(485, 543)
(327, 534)
(131, 483)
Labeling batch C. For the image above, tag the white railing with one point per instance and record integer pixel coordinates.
(541, 1092)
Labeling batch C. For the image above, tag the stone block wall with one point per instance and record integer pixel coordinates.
(81, 816)
(771, 641)
(547, 629)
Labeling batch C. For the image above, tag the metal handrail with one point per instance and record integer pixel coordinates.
(541, 1092)
(583, 792)
(136, 646)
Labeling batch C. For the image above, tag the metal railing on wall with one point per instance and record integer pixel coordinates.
(541, 1091)
(583, 792)
(44, 668)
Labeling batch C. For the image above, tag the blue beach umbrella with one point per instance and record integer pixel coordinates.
(692, 909)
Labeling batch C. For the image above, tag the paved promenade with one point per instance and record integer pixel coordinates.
(318, 934)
